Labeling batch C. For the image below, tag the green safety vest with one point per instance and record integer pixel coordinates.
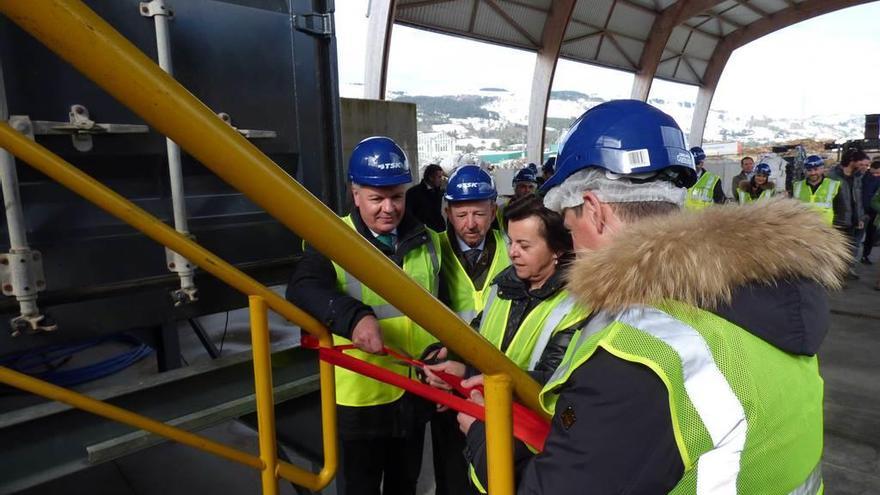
(747, 416)
(464, 298)
(822, 200)
(398, 331)
(745, 197)
(550, 316)
(700, 194)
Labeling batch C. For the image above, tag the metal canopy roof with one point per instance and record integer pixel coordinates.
(611, 33)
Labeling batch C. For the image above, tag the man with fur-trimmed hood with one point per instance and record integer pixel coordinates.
(697, 372)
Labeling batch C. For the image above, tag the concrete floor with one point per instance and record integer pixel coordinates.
(849, 359)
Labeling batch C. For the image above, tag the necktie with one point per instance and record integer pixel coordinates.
(387, 239)
(472, 256)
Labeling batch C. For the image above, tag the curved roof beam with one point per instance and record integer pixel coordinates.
(661, 30)
(762, 27)
(542, 79)
(378, 45)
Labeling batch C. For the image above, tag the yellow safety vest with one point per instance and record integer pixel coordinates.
(550, 316)
(464, 298)
(747, 416)
(822, 200)
(700, 194)
(745, 197)
(398, 331)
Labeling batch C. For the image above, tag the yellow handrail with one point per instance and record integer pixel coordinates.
(78, 35)
(66, 174)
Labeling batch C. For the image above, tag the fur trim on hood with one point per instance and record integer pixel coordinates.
(699, 258)
(746, 186)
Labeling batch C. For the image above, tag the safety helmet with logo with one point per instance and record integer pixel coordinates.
(699, 154)
(763, 169)
(626, 138)
(549, 165)
(525, 175)
(813, 161)
(470, 183)
(378, 161)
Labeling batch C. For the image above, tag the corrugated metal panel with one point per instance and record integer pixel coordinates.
(632, 49)
(610, 55)
(593, 12)
(443, 16)
(631, 21)
(741, 15)
(541, 4)
(700, 46)
(584, 49)
(665, 69)
(530, 19)
(577, 30)
(491, 25)
(677, 39)
(648, 4)
(699, 66)
(683, 73)
(770, 6)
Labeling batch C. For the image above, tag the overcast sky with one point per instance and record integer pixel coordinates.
(829, 64)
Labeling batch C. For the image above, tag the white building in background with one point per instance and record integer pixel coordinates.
(435, 147)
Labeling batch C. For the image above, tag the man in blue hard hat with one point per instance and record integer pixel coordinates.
(381, 429)
(707, 190)
(524, 182)
(473, 254)
(691, 376)
(547, 170)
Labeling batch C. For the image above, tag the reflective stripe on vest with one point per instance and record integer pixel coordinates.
(465, 299)
(732, 436)
(822, 200)
(527, 345)
(711, 395)
(700, 195)
(422, 264)
(354, 288)
(745, 197)
(813, 484)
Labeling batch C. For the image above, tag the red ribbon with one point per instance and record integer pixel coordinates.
(528, 425)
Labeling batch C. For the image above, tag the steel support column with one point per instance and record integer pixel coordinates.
(661, 30)
(378, 45)
(762, 27)
(542, 80)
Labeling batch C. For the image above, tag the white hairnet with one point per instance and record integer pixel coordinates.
(610, 188)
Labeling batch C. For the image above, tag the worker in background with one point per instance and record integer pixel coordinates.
(870, 186)
(547, 170)
(425, 200)
(525, 182)
(708, 188)
(849, 213)
(641, 403)
(817, 190)
(381, 429)
(747, 165)
(758, 187)
(473, 254)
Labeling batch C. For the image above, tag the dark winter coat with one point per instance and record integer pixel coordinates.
(748, 186)
(426, 205)
(622, 440)
(848, 208)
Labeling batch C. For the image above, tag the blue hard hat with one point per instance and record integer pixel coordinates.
(814, 161)
(549, 165)
(378, 161)
(533, 167)
(763, 169)
(470, 183)
(699, 154)
(625, 137)
(525, 175)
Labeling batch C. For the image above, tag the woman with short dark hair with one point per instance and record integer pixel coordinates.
(529, 315)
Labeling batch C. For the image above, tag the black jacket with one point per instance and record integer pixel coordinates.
(622, 408)
(426, 205)
(312, 287)
(523, 301)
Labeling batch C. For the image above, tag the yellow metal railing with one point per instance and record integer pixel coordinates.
(81, 37)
